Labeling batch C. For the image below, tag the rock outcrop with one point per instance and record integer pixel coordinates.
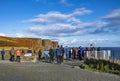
(27, 42)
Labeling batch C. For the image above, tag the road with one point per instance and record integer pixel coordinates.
(12, 71)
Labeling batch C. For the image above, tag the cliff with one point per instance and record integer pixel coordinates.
(27, 42)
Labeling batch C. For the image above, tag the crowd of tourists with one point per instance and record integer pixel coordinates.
(59, 54)
(12, 54)
(66, 53)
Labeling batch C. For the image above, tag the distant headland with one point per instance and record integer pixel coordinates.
(27, 42)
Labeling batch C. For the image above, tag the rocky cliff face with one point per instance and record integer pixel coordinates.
(27, 42)
(54, 44)
(46, 43)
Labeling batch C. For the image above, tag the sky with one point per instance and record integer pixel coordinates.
(70, 22)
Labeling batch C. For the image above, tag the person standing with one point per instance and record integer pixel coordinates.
(29, 51)
(86, 52)
(70, 53)
(62, 53)
(18, 54)
(46, 54)
(76, 53)
(66, 51)
(81, 53)
(58, 52)
(39, 54)
(2, 53)
(98, 52)
(12, 54)
(51, 54)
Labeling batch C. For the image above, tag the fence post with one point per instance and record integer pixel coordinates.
(96, 55)
(109, 54)
(104, 53)
(113, 56)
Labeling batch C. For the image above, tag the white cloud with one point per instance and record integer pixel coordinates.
(57, 24)
(57, 17)
(2, 34)
(64, 30)
(113, 17)
(19, 35)
(81, 42)
(81, 11)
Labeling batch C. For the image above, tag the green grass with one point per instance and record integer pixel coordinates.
(101, 66)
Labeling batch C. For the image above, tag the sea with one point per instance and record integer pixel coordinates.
(115, 51)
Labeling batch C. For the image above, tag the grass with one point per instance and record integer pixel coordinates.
(102, 66)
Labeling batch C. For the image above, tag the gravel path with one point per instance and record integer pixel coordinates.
(50, 72)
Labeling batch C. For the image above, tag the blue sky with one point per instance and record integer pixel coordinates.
(71, 22)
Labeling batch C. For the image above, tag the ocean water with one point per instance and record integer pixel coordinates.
(115, 51)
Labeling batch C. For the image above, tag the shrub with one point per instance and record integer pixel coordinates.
(102, 66)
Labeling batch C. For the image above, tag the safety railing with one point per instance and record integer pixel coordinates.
(105, 54)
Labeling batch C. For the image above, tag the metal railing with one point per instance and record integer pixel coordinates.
(105, 54)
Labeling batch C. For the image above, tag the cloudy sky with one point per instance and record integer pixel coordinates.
(71, 22)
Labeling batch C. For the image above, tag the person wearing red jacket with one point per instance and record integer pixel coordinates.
(18, 54)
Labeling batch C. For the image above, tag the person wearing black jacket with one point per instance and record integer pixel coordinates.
(39, 54)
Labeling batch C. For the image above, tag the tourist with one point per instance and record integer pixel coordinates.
(70, 53)
(76, 53)
(39, 54)
(23, 52)
(86, 53)
(62, 53)
(2, 53)
(58, 52)
(51, 54)
(98, 52)
(66, 52)
(29, 51)
(92, 51)
(18, 54)
(12, 54)
(46, 54)
(73, 54)
(91, 47)
(81, 52)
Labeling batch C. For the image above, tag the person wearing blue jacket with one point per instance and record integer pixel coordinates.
(59, 55)
(81, 53)
(3, 53)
